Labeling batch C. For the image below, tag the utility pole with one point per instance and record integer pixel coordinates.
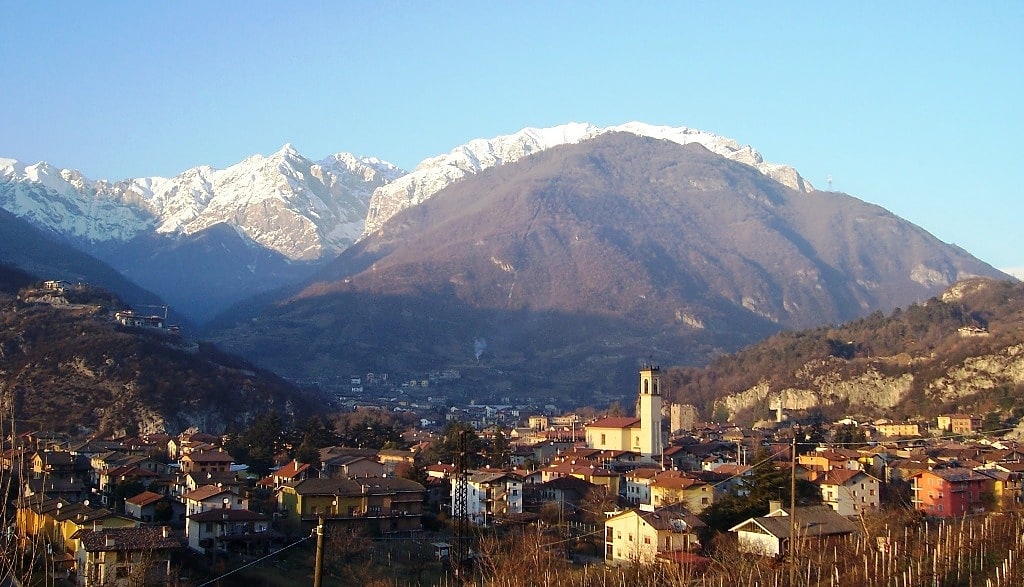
(318, 571)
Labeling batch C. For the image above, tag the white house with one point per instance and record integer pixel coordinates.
(641, 535)
(489, 495)
(849, 492)
(215, 529)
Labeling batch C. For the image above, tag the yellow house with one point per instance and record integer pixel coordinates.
(1007, 485)
(669, 489)
(639, 536)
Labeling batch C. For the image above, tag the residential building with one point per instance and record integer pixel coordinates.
(769, 535)
(849, 492)
(671, 487)
(640, 536)
(228, 530)
(378, 505)
(950, 492)
(965, 424)
(636, 485)
(143, 507)
(204, 461)
(490, 495)
(124, 556)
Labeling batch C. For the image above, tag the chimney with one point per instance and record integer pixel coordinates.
(165, 531)
(97, 525)
(110, 542)
(774, 504)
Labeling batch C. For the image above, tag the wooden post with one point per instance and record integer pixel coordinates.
(319, 568)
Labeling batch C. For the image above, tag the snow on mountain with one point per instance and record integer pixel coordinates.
(285, 202)
(303, 209)
(435, 173)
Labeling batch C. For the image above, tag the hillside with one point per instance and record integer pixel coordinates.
(961, 351)
(562, 270)
(66, 365)
(45, 256)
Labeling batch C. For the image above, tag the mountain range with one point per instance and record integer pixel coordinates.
(515, 257)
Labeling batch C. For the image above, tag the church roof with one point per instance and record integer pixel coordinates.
(621, 422)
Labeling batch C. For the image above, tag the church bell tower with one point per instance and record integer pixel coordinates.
(649, 411)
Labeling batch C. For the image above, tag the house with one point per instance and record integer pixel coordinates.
(606, 478)
(642, 434)
(636, 486)
(1007, 483)
(950, 492)
(204, 461)
(489, 495)
(960, 423)
(564, 491)
(394, 460)
(72, 520)
(898, 429)
(124, 556)
(849, 492)
(289, 473)
(227, 479)
(671, 487)
(352, 466)
(639, 536)
(377, 505)
(229, 530)
(143, 507)
(68, 489)
(769, 535)
(212, 497)
(53, 464)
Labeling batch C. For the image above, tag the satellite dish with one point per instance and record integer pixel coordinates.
(86, 502)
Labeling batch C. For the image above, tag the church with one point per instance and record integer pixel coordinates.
(642, 434)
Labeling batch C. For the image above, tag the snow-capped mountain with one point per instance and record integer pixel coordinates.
(435, 173)
(302, 209)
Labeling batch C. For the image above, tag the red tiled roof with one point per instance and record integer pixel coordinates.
(145, 498)
(619, 422)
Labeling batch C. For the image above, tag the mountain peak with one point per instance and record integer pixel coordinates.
(435, 173)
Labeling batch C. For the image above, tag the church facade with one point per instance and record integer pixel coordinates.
(641, 434)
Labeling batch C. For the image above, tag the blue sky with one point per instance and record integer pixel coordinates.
(915, 106)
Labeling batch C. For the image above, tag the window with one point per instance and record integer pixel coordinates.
(631, 537)
(647, 539)
(603, 441)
